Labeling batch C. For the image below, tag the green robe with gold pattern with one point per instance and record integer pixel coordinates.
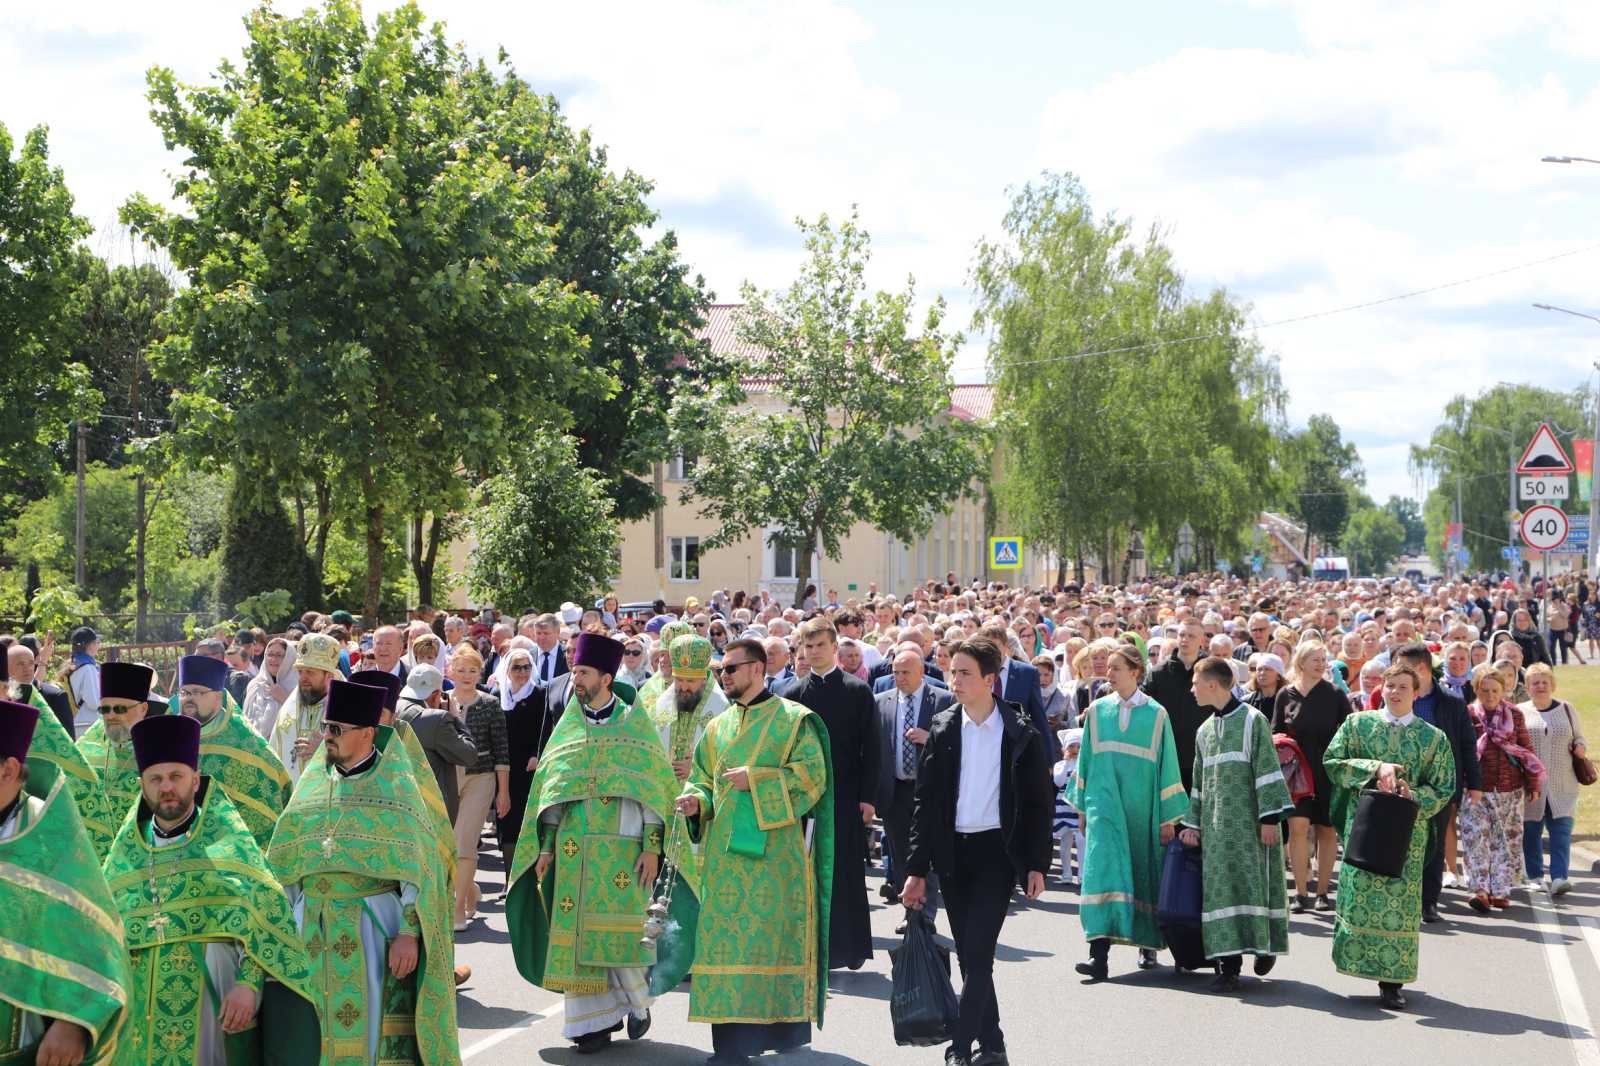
(237, 758)
(1377, 919)
(52, 744)
(761, 949)
(118, 775)
(199, 911)
(61, 946)
(587, 914)
(359, 859)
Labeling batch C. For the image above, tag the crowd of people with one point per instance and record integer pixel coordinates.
(279, 848)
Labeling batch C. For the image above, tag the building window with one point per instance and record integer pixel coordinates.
(679, 468)
(783, 563)
(685, 559)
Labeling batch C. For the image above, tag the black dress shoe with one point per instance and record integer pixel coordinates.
(1094, 969)
(728, 1060)
(637, 1027)
(1264, 964)
(1430, 913)
(1390, 998)
(589, 1043)
(886, 891)
(991, 1058)
(952, 1057)
(1225, 982)
(1147, 959)
(900, 930)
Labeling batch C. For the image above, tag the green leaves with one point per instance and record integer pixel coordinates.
(851, 422)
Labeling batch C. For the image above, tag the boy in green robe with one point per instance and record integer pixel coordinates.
(1376, 924)
(206, 925)
(760, 778)
(1130, 793)
(231, 753)
(108, 748)
(600, 798)
(63, 983)
(1238, 801)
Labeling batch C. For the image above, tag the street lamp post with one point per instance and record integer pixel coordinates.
(1594, 490)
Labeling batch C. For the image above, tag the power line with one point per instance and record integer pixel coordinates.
(1299, 318)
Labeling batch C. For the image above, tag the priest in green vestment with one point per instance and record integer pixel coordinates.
(1238, 803)
(63, 970)
(658, 682)
(1377, 919)
(759, 800)
(207, 926)
(232, 754)
(681, 715)
(1130, 793)
(52, 744)
(600, 798)
(108, 749)
(355, 852)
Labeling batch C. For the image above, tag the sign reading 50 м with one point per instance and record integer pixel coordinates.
(1005, 553)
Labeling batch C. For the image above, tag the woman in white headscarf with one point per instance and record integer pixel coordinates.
(522, 700)
(272, 684)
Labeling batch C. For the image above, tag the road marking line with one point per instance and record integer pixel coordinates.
(526, 1022)
(1585, 1048)
(1591, 935)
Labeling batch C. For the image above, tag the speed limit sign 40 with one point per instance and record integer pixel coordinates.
(1544, 527)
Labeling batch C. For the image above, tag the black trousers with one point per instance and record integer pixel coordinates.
(975, 897)
(897, 825)
(1433, 856)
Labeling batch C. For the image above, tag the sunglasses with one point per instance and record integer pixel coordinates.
(335, 730)
(119, 709)
(521, 669)
(633, 652)
(727, 668)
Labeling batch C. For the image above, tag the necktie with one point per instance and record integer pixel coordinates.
(908, 750)
(544, 661)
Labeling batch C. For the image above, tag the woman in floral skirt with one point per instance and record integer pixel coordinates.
(1491, 828)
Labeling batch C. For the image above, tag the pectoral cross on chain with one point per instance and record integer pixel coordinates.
(327, 846)
(159, 924)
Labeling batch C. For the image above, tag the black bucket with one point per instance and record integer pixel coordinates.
(1380, 835)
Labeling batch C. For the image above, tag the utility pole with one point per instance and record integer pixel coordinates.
(83, 451)
(141, 595)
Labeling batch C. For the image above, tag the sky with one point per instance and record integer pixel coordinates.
(1307, 157)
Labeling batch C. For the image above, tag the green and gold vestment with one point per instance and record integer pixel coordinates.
(61, 946)
(1377, 919)
(761, 948)
(360, 855)
(210, 891)
(52, 745)
(587, 915)
(118, 775)
(249, 771)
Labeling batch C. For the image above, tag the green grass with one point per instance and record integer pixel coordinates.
(1580, 686)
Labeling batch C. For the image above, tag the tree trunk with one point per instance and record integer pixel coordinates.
(374, 514)
(802, 568)
(423, 559)
(319, 553)
(1077, 567)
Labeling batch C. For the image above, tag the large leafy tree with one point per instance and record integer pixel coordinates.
(1124, 402)
(40, 390)
(1405, 511)
(1375, 537)
(1321, 472)
(545, 530)
(370, 302)
(851, 423)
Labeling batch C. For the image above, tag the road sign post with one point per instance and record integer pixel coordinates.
(1544, 527)
(1005, 553)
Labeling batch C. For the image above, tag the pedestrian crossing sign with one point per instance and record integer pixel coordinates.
(1005, 553)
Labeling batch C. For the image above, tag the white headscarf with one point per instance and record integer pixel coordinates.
(260, 709)
(508, 698)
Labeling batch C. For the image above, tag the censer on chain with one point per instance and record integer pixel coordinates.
(655, 920)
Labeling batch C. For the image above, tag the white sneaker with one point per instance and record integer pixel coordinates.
(1560, 888)
(1449, 880)
(461, 927)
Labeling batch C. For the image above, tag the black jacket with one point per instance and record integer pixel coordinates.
(1451, 716)
(934, 700)
(1027, 798)
(1168, 684)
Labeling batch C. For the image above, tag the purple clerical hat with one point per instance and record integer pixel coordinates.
(126, 681)
(166, 738)
(203, 670)
(16, 728)
(390, 683)
(600, 652)
(353, 704)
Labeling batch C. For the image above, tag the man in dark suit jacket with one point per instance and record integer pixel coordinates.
(1019, 684)
(528, 727)
(900, 739)
(844, 702)
(1440, 707)
(885, 683)
(981, 819)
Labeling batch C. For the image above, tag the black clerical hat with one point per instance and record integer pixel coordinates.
(16, 728)
(166, 738)
(353, 704)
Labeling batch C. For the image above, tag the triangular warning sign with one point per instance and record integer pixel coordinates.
(1005, 553)
(1544, 454)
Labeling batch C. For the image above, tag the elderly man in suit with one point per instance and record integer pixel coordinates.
(905, 713)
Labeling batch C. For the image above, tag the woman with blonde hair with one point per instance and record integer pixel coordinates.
(1311, 710)
(1491, 828)
(1557, 736)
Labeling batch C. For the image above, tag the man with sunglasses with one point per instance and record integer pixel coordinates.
(107, 746)
(357, 854)
(231, 753)
(758, 802)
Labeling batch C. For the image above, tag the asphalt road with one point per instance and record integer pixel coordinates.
(1519, 987)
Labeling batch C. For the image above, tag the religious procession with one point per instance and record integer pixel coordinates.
(701, 793)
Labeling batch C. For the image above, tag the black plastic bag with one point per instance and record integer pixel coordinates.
(922, 1004)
